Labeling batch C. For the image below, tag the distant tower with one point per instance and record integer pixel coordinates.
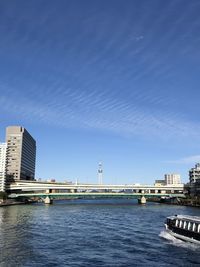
(100, 173)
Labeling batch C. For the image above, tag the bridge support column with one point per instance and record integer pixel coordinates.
(142, 200)
(48, 191)
(73, 190)
(48, 200)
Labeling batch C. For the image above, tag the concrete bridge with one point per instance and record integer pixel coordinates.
(49, 191)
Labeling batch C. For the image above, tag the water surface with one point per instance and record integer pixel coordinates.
(92, 233)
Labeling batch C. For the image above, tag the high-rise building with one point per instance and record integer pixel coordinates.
(21, 154)
(3, 152)
(172, 178)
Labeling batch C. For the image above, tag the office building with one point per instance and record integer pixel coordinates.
(3, 152)
(21, 154)
(172, 179)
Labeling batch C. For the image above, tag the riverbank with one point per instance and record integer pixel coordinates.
(12, 203)
(4, 204)
(190, 202)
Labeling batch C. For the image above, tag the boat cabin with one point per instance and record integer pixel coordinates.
(185, 222)
(184, 225)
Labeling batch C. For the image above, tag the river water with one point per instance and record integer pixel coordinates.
(92, 233)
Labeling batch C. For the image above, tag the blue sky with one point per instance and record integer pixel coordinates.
(113, 81)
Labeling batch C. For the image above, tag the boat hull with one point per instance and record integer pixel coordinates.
(182, 237)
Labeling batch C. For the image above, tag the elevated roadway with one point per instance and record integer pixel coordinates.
(34, 185)
(49, 191)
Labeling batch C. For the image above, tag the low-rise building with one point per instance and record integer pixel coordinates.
(194, 176)
(194, 173)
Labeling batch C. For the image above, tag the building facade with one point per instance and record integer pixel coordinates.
(21, 154)
(194, 176)
(172, 178)
(194, 173)
(3, 153)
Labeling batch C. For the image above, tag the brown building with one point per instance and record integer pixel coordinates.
(21, 154)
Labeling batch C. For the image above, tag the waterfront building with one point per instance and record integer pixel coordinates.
(172, 178)
(3, 153)
(194, 176)
(21, 154)
(194, 173)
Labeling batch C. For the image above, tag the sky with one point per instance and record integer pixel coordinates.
(108, 81)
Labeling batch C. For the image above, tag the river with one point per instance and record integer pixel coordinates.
(92, 233)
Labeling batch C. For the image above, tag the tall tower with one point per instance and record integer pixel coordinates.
(21, 154)
(100, 173)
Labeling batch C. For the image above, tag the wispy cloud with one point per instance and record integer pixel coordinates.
(187, 160)
(94, 110)
(138, 38)
(102, 71)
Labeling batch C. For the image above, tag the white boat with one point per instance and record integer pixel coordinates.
(184, 227)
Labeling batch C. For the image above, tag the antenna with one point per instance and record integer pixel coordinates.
(100, 173)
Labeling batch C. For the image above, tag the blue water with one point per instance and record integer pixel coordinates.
(92, 233)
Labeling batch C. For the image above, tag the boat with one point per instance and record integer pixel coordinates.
(184, 227)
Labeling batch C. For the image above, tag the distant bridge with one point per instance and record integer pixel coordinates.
(55, 190)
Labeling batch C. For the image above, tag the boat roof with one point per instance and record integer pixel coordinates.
(185, 217)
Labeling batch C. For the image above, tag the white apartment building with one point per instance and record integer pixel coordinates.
(3, 153)
(172, 178)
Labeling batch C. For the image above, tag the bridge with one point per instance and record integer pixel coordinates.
(51, 190)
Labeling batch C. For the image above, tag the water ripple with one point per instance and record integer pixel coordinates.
(92, 233)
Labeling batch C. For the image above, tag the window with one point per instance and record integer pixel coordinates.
(189, 226)
(194, 228)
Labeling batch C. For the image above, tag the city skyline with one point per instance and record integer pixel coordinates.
(103, 81)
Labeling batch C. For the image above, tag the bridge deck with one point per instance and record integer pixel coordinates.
(128, 195)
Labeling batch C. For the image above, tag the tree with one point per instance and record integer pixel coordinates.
(3, 195)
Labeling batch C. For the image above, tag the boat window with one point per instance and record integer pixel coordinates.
(184, 224)
(198, 229)
(180, 224)
(194, 228)
(176, 223)
(189, 226)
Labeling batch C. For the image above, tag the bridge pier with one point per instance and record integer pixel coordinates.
(48, 200)
(142, 200)
(48, 191)
(73, 190)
